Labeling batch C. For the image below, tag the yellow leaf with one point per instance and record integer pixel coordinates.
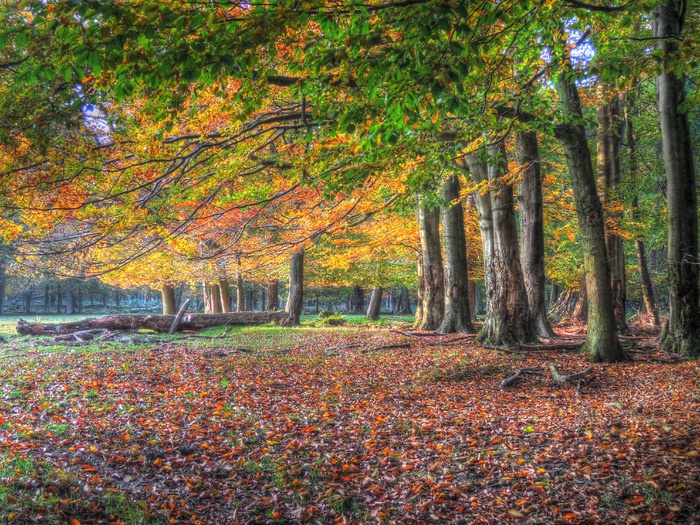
(516, 513)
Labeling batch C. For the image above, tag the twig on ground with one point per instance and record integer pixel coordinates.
(386, 347)
(519, 374)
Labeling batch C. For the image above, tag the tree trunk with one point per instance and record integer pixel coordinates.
(28, 302)
(507, 313)
(420, 291)
(433, 271)
(553, 294)
(2, 287)
(610, 129)
(532, 231)
(240, 293)
(404, 303)
(272, 295)
(215, 298)
(457, 314)
(602, 342)
(683, 334)
(580, 312)
(70, 309)
(225, 292)
(510, 320)
(647, 288)
(47, 299)
(375, 303)
(471, 286)
(169, 302)
(357, 300)
(206, 297)
(296, 287)
(482, 202)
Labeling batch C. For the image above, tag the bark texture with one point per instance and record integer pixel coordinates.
(433, 271)
(457, 316)
(602, 342)
(169, 304)
(648, 298)
(296, 287)
(610, 129)
(580, 312)
(420, 291)
(482, 200)
(240, 293)
(375, 303)
(532, 231)
(225, 291)
(683, 334)
(507, 313)
(273, 297)
(215, 298)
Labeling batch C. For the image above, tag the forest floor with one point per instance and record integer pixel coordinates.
(317, 425)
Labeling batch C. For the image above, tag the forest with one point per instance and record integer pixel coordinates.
(349, 261)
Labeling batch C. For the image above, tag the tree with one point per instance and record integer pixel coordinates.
(295, 303)
(683, 333)
(532, 230)
(457, 314)
(601, 341)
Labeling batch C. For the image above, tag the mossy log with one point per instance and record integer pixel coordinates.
(157, 323)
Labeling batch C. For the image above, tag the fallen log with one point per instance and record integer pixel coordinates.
(157, 323)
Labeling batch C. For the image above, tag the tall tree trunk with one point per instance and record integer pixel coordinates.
(532, 230)
(683, 334)
(2, 286)
(272, 295)
(70, 309)
(375, 303)
(472, 287)
(296, 287)
(404, 303)
(610, 129)
(457, 314)
(28, 302)
(420, 291)
(215, 298)
(647, 287)
(553, 294)
(206, 291)
(482, 201)
(240, 293)
(602, 342)
(510, 318)
(433, 271)
(225, 291)
(580, 312)
(47, 299)
(169, 302)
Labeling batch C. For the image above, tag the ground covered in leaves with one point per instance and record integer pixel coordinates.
(315, 425)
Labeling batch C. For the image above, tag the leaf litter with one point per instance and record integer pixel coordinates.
(189, 432)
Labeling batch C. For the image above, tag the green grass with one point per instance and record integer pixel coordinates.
(37, 492)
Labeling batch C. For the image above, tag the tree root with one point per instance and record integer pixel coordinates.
(385, 347)
(519, 374)
(579, 377)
